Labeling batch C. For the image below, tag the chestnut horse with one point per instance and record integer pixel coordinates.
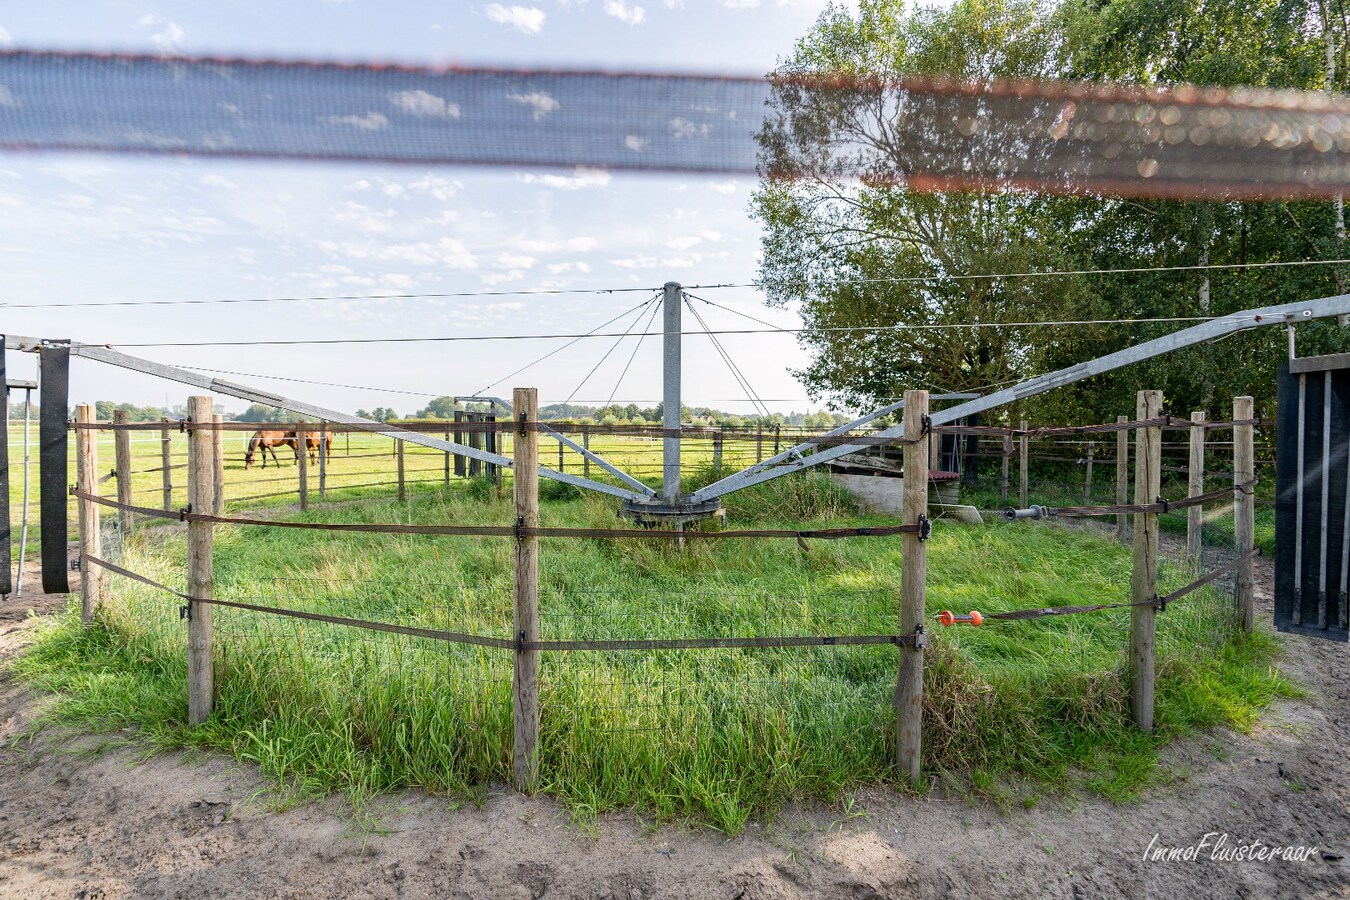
(269, 441)
(311, 444)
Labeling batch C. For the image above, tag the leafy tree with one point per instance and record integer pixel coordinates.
(873, 266)
(840, 248)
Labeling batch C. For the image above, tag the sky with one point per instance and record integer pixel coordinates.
(100, 229)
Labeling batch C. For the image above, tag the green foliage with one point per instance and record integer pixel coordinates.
(835, 247)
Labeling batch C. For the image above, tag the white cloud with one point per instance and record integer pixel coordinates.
(529, 19)
(540, 102)
(683, 128)
(740, 4)
(583, 178)
(510, 261)
(635, 143)
(448, 252)
(724, 187)
(421, 103)
(6, 40)
(629, 15)
(572, 245)
(651, 262)
(559, 268)
(169, 39)
(436, 187)
(371, 121)
(216, 180)
(394, 190)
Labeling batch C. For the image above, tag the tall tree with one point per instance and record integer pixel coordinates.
(890, 281)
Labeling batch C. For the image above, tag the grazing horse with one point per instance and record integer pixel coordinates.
(311, 444)
(269, 441)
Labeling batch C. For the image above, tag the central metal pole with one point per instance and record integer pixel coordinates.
(670, 470)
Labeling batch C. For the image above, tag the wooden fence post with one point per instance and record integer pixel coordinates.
(323, 459)
(201, 577)
(91, 540)
(1244, 511)
(447, 459)
(402, 484)
(1022, 465)
(166, 466)
(586, 443)
(122, 454)
(1003, 471)
(218, 465)
(561, 464)
(717, 453)
(1196, 474)
(777, 439)
(914, 567)
(1122, 476)
(759, 443)
(459, 439)
(1144, 577)
(1087, 476)
(525, 681)
(302, 460)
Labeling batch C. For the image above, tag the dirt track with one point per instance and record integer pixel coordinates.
(106, 825)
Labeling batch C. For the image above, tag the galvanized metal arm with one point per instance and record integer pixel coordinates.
(1303, 311)
(112, 357)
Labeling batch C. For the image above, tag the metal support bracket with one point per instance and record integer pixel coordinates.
(925, 530)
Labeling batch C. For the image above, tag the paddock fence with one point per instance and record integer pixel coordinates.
(495, 668)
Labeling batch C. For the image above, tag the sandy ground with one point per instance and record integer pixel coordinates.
(78, 820)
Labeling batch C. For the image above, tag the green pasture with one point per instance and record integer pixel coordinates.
(1013, 711)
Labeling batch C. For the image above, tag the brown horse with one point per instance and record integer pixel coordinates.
(311, 444)
(269, 441)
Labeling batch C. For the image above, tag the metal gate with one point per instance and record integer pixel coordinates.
(1312, 516)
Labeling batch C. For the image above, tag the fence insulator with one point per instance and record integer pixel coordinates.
(1031, 512)
(949, 618)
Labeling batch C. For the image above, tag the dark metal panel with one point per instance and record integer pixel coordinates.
(1312, 475)
(6, 579)
(53, 480)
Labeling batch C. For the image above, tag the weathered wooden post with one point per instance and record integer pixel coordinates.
(525, 681)
(91, 540)
(302, 460)
(201, 577)
(166, 466)
(459, 439)
(717, 453)
(586, 444)
(218, 465)
(1244, 510)
(759, 442)
(476, 442)
(323, 460)
(402, 483)
(561, 462)
(914, 568)
(1122, 476)
(1003, 471)
(122, 454)
(1087, 475)
(1022, 465)
(1144, 577)
(777, 439)
(1196, 486)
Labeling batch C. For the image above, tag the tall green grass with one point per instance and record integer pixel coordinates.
(719, 735)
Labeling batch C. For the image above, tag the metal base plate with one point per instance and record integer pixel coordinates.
(659, 512)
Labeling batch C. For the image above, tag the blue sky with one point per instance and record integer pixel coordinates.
(90, 228)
